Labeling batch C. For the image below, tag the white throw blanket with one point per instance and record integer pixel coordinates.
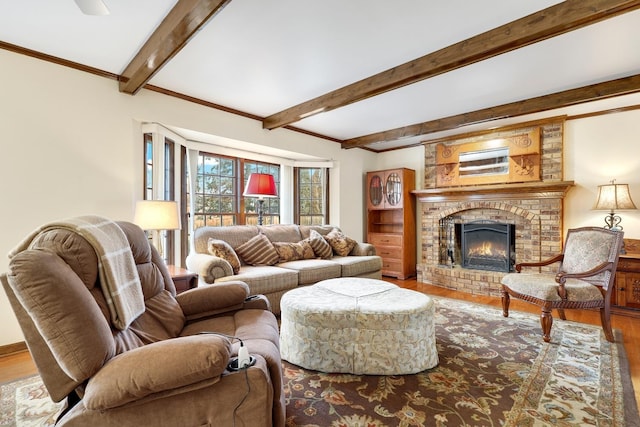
(118, 273)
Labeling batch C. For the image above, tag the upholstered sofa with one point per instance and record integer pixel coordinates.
(241, 252)
(142, 355)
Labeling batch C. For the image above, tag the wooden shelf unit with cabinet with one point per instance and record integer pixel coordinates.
(391, 220)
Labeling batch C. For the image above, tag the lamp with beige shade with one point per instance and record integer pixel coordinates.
(157, 216)
(613, 197)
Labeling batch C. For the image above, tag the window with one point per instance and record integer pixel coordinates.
(169, 170)
(218, 193)
(185, 233)
(160, 184)
(213, 195)
(168, 237)
(148, 166)
(311, 190)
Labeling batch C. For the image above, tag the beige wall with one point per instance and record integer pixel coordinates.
(71, 146)
(597, 150)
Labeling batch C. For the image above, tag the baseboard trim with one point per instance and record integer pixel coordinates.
(12, 348)
(622, 311)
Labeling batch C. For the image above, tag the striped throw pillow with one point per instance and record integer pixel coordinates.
(320, 247)
(258, 251)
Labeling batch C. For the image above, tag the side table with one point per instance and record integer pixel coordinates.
(183, 279)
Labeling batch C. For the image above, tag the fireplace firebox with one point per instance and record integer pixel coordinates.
(487, 245)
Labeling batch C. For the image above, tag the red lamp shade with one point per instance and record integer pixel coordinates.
(260, 185)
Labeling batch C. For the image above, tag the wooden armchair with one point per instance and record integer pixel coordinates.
(584, 278)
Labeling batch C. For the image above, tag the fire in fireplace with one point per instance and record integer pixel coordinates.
(487, 245)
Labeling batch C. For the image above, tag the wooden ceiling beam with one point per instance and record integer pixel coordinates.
(594, 92)
(174, 32)
(550, 22)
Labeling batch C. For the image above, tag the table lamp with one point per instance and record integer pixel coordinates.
(155, 216)
(613, 197)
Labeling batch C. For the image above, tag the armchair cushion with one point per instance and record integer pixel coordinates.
(155, 368)
(544, 287)
(586, 251)
(258, 251)
(223, 250)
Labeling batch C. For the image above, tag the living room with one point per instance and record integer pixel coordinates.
(72, 146)
(92, 163)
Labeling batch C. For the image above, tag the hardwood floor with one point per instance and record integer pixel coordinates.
(18, 365)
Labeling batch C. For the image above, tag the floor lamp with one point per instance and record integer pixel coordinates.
(260, 185)
(155, 216)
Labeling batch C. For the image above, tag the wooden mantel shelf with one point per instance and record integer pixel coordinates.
(528, 190)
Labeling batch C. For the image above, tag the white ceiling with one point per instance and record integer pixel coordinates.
(261, 57)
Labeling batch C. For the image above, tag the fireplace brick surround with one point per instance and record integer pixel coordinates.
(536, 209)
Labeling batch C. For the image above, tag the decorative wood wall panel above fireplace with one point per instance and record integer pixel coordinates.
(514, 158)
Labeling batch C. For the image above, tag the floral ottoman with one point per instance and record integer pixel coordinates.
(359, 326)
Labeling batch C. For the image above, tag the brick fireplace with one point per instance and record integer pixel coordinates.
(534, 207)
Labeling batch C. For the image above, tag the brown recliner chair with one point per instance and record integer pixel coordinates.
(165, 368)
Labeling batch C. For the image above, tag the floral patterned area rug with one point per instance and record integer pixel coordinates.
(26, 403)
(493, 371)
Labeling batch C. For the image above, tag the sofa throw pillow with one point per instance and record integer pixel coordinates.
(223, 250)
(258, 251)
(340, 243)
(289, 251)
(320, 247)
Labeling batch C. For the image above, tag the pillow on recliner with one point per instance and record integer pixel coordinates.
(340, 243)
(223, 250)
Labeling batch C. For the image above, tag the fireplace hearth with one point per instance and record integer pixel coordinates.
(488, 245)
